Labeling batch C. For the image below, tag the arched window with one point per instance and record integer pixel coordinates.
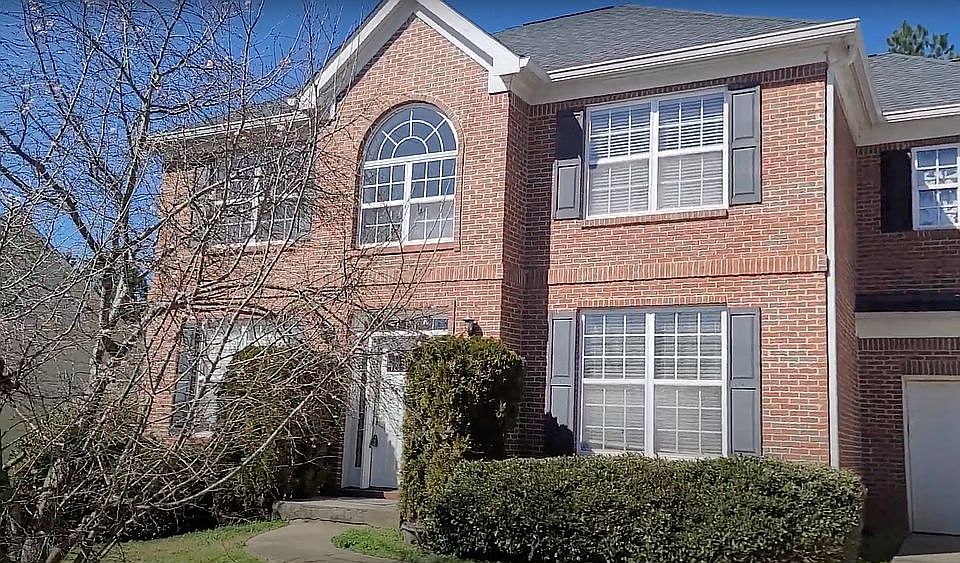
(408, 179)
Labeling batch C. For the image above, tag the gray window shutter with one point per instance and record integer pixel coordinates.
(745, 146)
(185, 389)
(744, 374)
(561, 368)
(568, 165)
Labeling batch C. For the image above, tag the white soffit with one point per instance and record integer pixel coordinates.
(921, 324)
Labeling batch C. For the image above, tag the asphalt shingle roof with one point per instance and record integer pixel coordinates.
(628, 31)
(903, 82)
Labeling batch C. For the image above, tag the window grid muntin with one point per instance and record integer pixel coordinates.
(249, 200)
(409, 200)
(650, 383)
(952, 187)
(655, 154)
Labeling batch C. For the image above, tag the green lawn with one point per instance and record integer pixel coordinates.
(220, 545)
(381, 542)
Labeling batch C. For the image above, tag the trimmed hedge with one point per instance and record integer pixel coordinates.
(461, 398)
(633, 508)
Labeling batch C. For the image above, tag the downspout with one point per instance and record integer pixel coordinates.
(833, 395)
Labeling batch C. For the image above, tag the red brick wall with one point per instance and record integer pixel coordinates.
(883, 363)
(905, 261)
(901, 262)
(770, 255)
(845, 196)
(511, 263)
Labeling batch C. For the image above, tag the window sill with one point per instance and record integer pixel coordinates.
(445, 246)
(655, 218)
(254, 247)
(937, 231)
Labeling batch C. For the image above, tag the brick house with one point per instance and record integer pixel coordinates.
(705, 234)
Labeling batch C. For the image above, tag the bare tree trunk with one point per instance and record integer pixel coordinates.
(124, 229)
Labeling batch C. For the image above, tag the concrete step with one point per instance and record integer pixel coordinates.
(392, 494)
(351, 510)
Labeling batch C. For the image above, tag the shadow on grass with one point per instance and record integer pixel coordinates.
(389, 544)
(218, 545)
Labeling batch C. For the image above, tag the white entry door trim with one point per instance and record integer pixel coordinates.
(915, 519)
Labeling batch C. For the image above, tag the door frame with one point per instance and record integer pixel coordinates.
(904, 381)
(350, 445)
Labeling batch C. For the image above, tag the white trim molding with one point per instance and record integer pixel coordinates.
(912, 324)
(380, 25)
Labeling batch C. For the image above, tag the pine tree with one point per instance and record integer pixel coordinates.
(918, 41)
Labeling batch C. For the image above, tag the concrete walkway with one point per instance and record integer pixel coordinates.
(305, 541)
(928, 548)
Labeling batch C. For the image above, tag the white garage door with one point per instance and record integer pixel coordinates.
(933, 455)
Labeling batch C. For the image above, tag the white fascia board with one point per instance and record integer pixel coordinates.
(475, 41)
(919, 324)
(854, 86)
(366, 42)
(813, 34)
(355, 50)
(912, 130)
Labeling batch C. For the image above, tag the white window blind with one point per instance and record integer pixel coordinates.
(653, 382)
(935, 187)
(655, 156)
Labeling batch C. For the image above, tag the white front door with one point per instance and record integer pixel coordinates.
(385, 420)
(373, 444)
(932, 421)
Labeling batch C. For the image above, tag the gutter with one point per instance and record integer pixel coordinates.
(947, 110)
(234, 126)
(833, 388)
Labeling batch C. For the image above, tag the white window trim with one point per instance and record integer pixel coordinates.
(915, 188)
(251, 241)
(653, 154)
(649, 382)
(407, 200)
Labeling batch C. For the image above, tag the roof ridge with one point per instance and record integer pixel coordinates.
(580, 13)
(722, 14)
(658, 8)
(949, 62)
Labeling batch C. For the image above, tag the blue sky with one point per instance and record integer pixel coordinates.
(878, 17)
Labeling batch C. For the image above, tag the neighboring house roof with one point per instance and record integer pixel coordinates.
(619, 32)
(905, 82)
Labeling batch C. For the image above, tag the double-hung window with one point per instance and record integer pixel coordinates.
(935, 186)
(659, 155)
(258, 198)
(408, 181)
(653, 382)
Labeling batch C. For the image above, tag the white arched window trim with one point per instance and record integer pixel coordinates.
(409, 198)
